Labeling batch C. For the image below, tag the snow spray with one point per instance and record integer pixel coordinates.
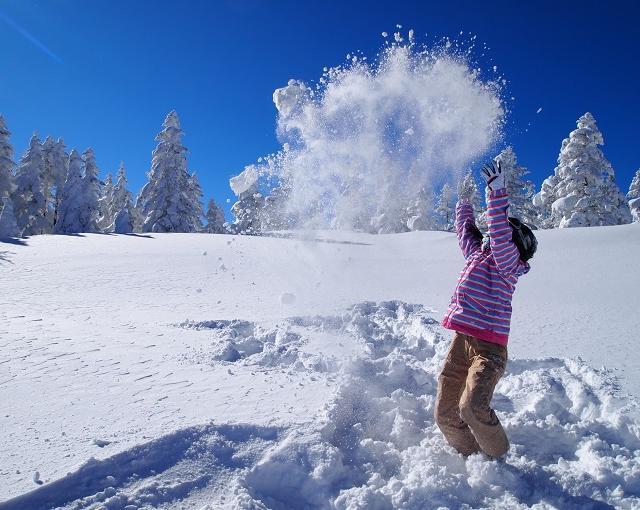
(360, 144)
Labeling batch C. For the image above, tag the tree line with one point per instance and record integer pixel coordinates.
(51, 191)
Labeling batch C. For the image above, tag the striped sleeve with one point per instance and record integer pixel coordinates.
(505, 253)
(464, 217)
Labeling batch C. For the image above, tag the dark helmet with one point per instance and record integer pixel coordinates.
(523, 238)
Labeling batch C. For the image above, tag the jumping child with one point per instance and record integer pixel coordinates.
(480, 315)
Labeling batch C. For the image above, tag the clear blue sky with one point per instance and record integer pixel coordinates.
(104, 73)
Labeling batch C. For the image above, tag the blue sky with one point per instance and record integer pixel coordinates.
(105, 73)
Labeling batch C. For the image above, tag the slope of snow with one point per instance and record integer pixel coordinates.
(289, 371)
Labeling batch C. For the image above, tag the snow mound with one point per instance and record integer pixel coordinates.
(248, 343)
(575, 444)
(157, 473)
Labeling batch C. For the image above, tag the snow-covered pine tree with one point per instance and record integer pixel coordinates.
(121, 207)
(78, 211)
(8, 224)
(634, 196)
(195, 212)
(420, 211)
(105, 204)
(445, 207)
(544, 199)
(168, 202)
(6, 160)
(468, 187)
(520, 189)
(55, 163)
(582, 192)
(91, 187)
(29, 203)
(615, 207)
(71, 198)
(215, 219)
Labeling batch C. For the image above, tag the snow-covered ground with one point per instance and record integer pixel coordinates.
(191, 371)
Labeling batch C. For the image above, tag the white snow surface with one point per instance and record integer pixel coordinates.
(135, 373)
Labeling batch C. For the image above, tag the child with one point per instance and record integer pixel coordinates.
(480, 313)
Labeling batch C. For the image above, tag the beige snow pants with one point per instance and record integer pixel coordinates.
(463, 412)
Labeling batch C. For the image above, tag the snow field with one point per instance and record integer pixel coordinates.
(191, 386)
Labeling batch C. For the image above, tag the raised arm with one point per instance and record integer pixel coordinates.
(504, 251)
(465, 222)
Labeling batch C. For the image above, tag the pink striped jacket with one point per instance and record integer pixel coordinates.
(481, 303)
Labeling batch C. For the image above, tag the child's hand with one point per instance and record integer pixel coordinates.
(493, 174)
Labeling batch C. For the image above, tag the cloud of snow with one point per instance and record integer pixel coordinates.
(372, 133)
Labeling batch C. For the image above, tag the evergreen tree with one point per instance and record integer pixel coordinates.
(445, 207)
(195, 211)
(521, 190)
(71, 199)
(634, 196)
(582, 191)
(92, 190)
(47, 183)
(215, 219)
(29, 202)
(169, 202)
(544, 200)
(56, 160)
(8, 224)
(121, 207)
(105, 204)
(78, 210)
(468, 188)
(420, 211)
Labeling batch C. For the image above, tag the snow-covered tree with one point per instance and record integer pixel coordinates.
(445, 207)
(8, 224)
(72, 197)
(55, 173)
(79, 210)
(105, 204)
(634, 196)
(420, 211)
(582, 192)
(520, 189)
(29, 202)
(121, 207)
(468, 187)
(92, 190)
(194, 202)
(6, 160)
(170, 201)
(215, 219)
